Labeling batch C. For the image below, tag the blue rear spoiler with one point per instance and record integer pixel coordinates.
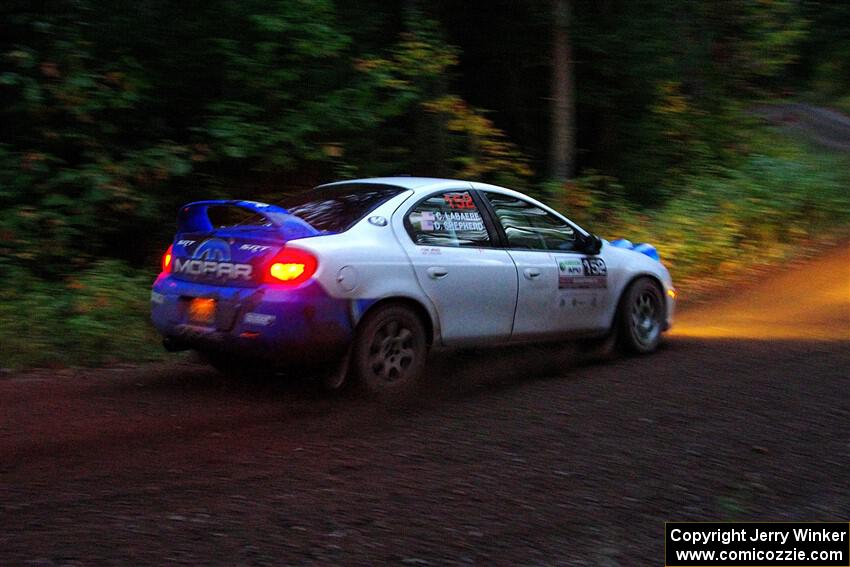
(193, 217)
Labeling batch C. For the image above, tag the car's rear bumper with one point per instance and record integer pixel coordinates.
(285, 325)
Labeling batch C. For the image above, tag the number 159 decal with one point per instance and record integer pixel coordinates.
(594, 267)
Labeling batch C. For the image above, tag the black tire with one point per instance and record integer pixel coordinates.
(601, 347)
(640, 317)
(390, 348)
(335, 378)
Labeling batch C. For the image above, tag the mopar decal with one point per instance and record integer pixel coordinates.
(212, 258)
(214, 249)
(582, 273)
(226, 270)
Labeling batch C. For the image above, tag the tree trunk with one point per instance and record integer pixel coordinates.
(562, 147)
(429, 129)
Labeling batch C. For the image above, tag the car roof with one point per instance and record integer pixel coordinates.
(421, 185)
(424, 184)
(403, 181)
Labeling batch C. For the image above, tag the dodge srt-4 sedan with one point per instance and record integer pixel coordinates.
(369, 274)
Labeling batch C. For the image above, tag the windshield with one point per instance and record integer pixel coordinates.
(339, 207)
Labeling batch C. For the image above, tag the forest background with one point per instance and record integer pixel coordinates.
(643, 120)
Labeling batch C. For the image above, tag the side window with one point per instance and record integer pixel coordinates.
(530, 227)
(447, 219)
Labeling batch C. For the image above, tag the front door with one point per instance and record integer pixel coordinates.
(472, 284)
(561, 290)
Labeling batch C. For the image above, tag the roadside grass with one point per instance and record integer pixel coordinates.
(96, 317)
(715, 228)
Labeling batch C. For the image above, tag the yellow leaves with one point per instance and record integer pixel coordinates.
(488, 150)
(370, 64)
(424, 57)
(415, 68)
(577, 198)
(672, 101)
(395, 83)
(200, 153)
(30, 159)
(333, 150)
(114, 78)
(412, 59)
(50, 70)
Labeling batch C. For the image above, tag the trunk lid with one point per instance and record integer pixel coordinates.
(230, 243)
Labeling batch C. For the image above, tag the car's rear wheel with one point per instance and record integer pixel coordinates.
(389, 351)
(641, 317)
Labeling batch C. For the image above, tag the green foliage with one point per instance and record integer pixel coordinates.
(99, 316)
(282, 76)
(824, 67)
(662, 83)
(73, 175)
(451, 138)
(725, 220)
(113, 118)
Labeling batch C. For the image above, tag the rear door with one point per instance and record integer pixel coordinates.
(561, 290)
(471, 282)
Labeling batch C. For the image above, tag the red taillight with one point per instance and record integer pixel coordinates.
(166, 259)
(291, 267)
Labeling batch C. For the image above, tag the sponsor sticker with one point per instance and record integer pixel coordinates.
(254, 247)
(261, 319)
(223, 270)
(427, 221)
(582, 273)
(451, 221)
(212, 259)
(459, 200)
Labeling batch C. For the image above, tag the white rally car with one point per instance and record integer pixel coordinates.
(369, 274)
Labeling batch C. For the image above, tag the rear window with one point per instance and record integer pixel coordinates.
(228, 216)
(338, 208)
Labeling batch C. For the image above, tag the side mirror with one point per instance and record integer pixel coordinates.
(592, 244)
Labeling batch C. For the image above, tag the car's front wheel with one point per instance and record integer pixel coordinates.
(641, 317)
(389, 351)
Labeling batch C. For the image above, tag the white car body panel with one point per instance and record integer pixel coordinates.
(486, 295)
(474, 290)
(367, 262)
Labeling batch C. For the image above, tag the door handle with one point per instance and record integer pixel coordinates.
(437, 272)
(531, 273)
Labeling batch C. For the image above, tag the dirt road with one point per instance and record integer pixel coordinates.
(745, 414)
(823, 126)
